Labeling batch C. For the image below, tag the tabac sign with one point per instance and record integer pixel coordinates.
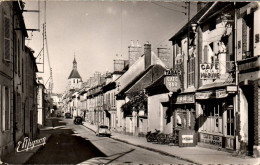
(209, 71)
(172, 81)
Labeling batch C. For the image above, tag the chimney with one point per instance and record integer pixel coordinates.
(119, 65)
(134, 52)
(164, 53)
(147, 54)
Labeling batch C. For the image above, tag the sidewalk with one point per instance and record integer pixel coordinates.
(23, 157)
(197, 155)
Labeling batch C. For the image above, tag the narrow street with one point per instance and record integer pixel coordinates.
(73, 144)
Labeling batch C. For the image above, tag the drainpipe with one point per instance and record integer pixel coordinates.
(236, 81)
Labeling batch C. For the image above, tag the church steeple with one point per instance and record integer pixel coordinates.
(74, 63)
(74, 73)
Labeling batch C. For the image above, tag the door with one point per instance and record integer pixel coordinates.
(248, 92)
(230, 131)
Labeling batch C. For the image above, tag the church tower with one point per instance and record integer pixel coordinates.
(74, 79)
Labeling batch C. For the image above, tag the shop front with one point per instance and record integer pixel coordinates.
(184, 112)
(184, 120)
(216, 118)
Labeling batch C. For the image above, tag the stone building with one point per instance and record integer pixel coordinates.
(17, 79)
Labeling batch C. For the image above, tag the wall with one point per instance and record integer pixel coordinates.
(6, 70)
(155, 115)
(257, 31)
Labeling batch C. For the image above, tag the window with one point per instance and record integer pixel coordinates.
(248, 35)
(191, 72)
(256, 38)
(22, 76)
(5, 108)
(213, 112)
(7, 44)
(15, 53)
(18, 58)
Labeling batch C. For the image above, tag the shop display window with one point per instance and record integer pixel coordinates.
(213, 117)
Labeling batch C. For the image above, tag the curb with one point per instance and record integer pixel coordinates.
(155, 150)
(89, 128)
(150, 149)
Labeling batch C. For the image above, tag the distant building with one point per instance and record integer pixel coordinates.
(74, 80)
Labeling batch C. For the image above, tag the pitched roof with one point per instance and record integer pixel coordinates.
(74, 74)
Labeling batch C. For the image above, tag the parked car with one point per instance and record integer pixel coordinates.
(59, 115)
(68, 115)
(103, 130)
(78, 120)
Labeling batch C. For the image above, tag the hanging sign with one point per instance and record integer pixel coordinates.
(209, 71)
(204, 95)
(172, 83)
(231, 89)
(171, 80)
(172, 72)
(222, 93)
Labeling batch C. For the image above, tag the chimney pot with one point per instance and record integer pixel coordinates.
(132, 43)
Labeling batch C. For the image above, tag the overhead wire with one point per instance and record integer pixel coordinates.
(169, 8)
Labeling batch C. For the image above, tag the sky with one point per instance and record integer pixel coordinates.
(95, 31)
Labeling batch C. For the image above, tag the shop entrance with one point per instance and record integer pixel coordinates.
(249, 94)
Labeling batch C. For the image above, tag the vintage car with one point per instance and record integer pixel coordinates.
(103, 130)
(77, 120)
(68, 115)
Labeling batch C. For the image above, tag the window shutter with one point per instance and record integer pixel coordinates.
(206, 54)
(244, 36)
(7, 108)
(3, 108)
(7, 44)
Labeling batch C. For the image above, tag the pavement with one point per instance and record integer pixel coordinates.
(22, 157)
(196, 155)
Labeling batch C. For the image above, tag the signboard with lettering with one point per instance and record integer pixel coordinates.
(172, 72)
(221, 93)
(204, 95)
(231, 89)
(183, 99)
(172, 83)
(187, 138)
(211, 139)
(209, 71)
(171, 80)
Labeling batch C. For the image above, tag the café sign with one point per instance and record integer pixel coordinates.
(171, 80)
(209, 71)
(172, 83)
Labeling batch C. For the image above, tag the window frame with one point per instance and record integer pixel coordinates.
(5, 16)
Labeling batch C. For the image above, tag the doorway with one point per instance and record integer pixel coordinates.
(249, 94)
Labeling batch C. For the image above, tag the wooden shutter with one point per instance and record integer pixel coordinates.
(3, 108)
(7, 108)
(7, 43)
(205, 53)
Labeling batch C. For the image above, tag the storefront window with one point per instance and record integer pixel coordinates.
(212, 121)
(184, 117)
